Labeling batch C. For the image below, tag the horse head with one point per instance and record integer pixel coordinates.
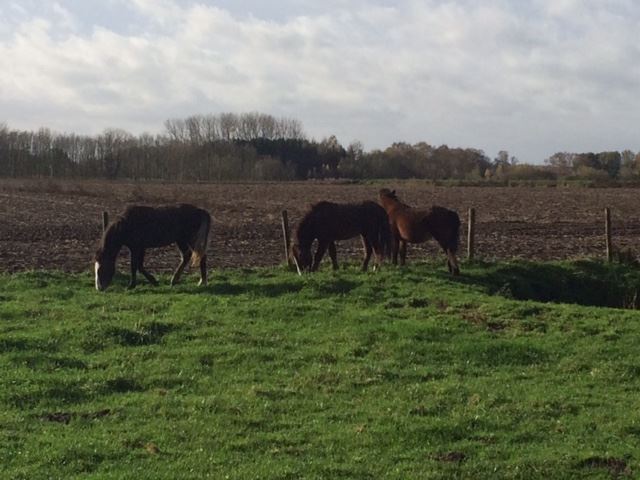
(387, 197)
(386, 193)
(302, 258)
(105, 268)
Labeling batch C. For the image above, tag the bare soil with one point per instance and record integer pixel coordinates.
(57, 224)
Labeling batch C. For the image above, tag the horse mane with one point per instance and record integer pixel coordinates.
(305, 223)
(385, 193)
(110, 237)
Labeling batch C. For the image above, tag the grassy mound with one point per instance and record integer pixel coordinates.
(582, 282)
(405, 373)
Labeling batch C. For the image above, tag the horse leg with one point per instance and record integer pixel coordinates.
(322, 247)
(203, 271)
(452, 263)
(333, 255)
(367, 253)
(403, 252)
(135, 262)
(395, 242)
(378, 251)
(185, 254)
(144, 272)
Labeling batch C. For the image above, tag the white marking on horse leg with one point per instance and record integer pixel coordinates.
(97, 266)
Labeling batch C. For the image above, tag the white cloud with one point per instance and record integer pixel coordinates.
(164, 12)
(64, 18)
(531, 77)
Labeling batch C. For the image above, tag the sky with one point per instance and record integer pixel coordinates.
(531, 77)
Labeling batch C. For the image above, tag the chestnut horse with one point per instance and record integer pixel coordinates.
(412, 225)
(139, 228)
(328, 222)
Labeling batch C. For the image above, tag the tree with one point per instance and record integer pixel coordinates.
(630, 168)
(111, 147)
(628, 158)
(501, 159)
(562, 162)
(331, 153)
(589, 160)
(610, 162)
(355, 151)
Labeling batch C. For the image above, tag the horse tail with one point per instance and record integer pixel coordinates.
(201, 240)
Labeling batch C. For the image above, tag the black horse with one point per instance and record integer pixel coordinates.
(328, 222)
(139, 228)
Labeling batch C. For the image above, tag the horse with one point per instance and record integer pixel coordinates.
(141, 227)
(328, 222)
(411, 225)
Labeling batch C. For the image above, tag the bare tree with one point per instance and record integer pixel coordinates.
(228, 126)
(111, 147)
(176, 129)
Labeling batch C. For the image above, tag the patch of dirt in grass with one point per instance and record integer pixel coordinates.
(450, 457)
(616, 466)
(480, 319)
(66, 417)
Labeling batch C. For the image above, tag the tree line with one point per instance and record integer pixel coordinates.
(257, 146)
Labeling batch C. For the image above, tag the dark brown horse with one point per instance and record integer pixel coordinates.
(139, 228)
(412, 225)
(328, 222)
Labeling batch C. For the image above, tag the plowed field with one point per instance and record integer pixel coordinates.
(56, 225)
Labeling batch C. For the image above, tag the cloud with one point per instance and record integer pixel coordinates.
(533, 79)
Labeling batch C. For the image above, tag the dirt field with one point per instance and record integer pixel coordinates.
(56, 225)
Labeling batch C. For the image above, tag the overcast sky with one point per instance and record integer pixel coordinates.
(531, 77)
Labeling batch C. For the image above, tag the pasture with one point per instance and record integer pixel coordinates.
(403, 373)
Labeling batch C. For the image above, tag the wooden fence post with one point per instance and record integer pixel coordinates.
(471, 232)
(105, 221)
(286, 235)
(607, 233)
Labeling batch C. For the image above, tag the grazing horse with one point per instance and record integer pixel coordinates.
(328, 222)
(141, 227)
(411, 225)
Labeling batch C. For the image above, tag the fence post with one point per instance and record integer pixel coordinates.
(105, 221)
(286, 235)
(471, 232)
(607, 233)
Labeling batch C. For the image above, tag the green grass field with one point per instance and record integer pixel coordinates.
(398, 374)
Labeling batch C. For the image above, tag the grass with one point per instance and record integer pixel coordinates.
(398, 374)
